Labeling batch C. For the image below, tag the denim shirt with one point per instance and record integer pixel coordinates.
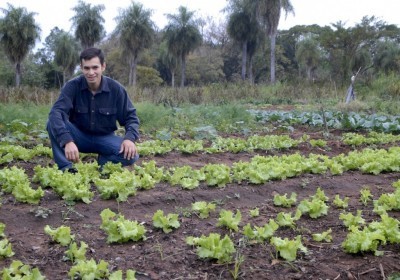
(94, 114)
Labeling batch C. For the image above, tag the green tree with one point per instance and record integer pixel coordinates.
(183, 36)
(33, 74)
(243, 28)
(7, 74)
(66, 56)
(238, 30)
(270, 14)
(346, 47)
(387, 57)
(18, 34)
(205, 66)
(308, 55)
(148, 77)
(45, 58)
(167, 60)
(136, 32)
(88, 23)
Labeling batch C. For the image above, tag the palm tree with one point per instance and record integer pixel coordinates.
(136, 32)
(66, 50)
(269, 12)
(18, 33)
(168, 60)
(182, 36)
(88, 23)
(252, 46)
(239, 29)
(308, 55)
(244, 28)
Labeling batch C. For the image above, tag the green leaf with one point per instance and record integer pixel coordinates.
(282, 200)
(261, 234)
(341, 203)
(61, 234)
(203, 208)
(166, 223)
(349, 220)
(229, 220)
(323, 236)
(288, 248)
(5, 249)
(119, 229)
(18, 270)
(315, 207)
(75, 254)
(213, 246)
(89, 269)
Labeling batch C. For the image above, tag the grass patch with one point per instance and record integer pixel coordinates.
(26, 112)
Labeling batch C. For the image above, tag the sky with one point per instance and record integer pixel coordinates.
(52, 13)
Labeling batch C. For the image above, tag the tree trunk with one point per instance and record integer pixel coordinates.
(183, 63)
(251, 78)
(173, 78)
(309, 70)
(132, 71)
(17, 74)
(64, 76)
(244, 59)
(273, 45)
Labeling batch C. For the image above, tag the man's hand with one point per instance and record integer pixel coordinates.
(129, 149)
(71, 152)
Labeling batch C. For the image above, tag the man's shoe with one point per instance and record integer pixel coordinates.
(72, 170)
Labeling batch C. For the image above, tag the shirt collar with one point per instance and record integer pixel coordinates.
(103, 86)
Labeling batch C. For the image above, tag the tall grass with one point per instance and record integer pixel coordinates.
(34, 95)
(153, 118)
(382, 94)
(26, 112)
(222, 106)
(312, 96)
(188, 118)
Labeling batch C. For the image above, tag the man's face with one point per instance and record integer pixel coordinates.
(92, 70)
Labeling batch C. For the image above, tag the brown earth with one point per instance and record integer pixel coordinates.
(167, 256)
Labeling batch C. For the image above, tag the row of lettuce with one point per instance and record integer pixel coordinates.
(361, 236)
(114, 181)
(10, 152)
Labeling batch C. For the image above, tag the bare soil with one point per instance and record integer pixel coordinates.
(167, 256)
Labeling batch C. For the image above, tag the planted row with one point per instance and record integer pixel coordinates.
(117, 182)
(9, 152)
(338, 120)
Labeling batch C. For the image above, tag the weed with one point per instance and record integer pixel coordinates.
(239, 259)
(184, 211)
(42, 212)
(304, 183)
(70, 210)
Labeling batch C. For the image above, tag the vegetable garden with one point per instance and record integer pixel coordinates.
(316, 197)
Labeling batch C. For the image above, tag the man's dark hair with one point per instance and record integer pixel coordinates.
(91, 53)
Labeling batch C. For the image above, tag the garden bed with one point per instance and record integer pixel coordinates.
(168, 256)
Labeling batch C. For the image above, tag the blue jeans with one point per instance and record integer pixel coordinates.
(106, 146)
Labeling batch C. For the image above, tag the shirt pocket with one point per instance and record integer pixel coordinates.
(81, 117)
(107, 117)
(81, 110)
